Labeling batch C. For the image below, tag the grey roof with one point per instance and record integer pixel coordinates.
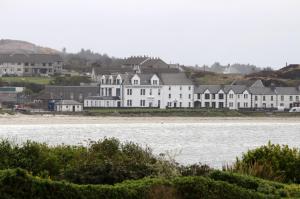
(212, 88)
(68, 102)
(30, 58)
(175, 79)
(287, 91)
(237, 89)
(261, 91)
(103, 98)
(134, 60)
(113, 70)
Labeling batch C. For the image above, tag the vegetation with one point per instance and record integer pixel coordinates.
(70, 81)
(27, 80)
(110, 169)
(273, 162)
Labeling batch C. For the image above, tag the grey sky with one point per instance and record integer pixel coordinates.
(261, 32)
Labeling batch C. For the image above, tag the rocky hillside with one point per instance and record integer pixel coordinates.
(16, 46)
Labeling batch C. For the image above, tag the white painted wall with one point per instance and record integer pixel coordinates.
(68, 108)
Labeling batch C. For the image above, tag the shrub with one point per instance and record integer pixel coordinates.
(19, 184)
(273, 162)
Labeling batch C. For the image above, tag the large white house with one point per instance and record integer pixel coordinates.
(143, 90)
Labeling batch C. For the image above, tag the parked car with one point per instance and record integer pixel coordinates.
(295, 110)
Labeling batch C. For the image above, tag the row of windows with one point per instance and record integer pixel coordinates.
(143, 92)
(111, 81)
(245, 96)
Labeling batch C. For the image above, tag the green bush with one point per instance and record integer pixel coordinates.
(19, 184)
(104, 162)
(273, 162)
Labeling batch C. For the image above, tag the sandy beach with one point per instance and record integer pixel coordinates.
(65, 119)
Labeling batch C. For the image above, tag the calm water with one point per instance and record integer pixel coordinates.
(212, 143)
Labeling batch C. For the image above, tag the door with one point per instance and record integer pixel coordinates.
(73, 108)
(119, 104)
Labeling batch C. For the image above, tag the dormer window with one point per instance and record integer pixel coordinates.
(135, 82)
(102, 81)
(118, 81)
(155, 82)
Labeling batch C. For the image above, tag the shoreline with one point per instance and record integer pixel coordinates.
(21, 119)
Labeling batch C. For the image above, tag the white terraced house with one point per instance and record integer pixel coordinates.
(143, 90)
(255, 96)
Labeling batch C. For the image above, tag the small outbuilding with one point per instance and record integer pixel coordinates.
(68, 106)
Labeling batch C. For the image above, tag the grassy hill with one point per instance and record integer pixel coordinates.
(16, 46)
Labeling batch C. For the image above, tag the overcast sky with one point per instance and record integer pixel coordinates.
(261, 32)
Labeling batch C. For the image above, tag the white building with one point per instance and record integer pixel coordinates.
(255, 96)
(68, 106)
(143, 90)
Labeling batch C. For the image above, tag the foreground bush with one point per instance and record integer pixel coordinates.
(104, 162)
(273, 162)
(19, 184)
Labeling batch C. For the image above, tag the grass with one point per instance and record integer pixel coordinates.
(36, 80)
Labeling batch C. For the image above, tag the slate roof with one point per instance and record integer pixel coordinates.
(68, 102)
(103, 98)
(175, 79)
(261, 91)
(30, 58)
(237, 89)
(212, 88)
(287, 91)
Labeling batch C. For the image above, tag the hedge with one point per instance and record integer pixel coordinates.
(19, 184)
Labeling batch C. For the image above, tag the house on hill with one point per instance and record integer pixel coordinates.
(30, 64)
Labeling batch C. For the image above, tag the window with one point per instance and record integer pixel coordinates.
(44, 64)
(221, 104)
(169, 88)
(297, 98)
(158, 91)
(129, 103)
(150, 91)
(245, 105)
(221, 96)
(206, 96)
(255, 98)
(180, 104)
(110, 92)
(231, 96)
(198, 95)
(180, 96)
(154, 82)
(158, 103)
(169, 96)
(189, 104)
(272, 98)
(238, 96)
(102, 81)
(189, 88)
(180, 87)
(282, 98)
(207, 104)
(118, 81)
(230, 104)
(189, 96)
(142, 103)
(239, 105)
(245, 96)
(291, 98)
(264, 105)
(118, 92)
(143, 92)
(213, 96)
(135, 81)
(264, 98)
(129, 91)
(281, 104)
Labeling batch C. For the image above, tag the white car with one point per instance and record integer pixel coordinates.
(295, 110)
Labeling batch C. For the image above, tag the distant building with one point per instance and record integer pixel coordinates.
(166, 90)
(137, 64)
(250, 95)
(68, 106)
(10, 94)
(30, 64)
